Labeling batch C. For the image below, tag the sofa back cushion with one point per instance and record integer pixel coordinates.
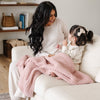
(91, 59)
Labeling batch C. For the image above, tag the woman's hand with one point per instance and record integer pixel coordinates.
(65, 42)
(50, 55)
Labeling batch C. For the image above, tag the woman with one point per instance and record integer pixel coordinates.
(46, 29)
(46, 32)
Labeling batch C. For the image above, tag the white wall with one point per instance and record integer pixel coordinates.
(82, 12)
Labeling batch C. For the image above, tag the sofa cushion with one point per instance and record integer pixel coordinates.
(74, 92)
(44, 82)
(91, 59)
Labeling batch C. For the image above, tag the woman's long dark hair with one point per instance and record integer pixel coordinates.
(40, 19)
(84, 37)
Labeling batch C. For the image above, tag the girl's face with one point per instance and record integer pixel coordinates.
(72, 38)
(52, 18)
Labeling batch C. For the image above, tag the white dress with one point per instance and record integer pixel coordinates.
(75, 52)
(52, 36)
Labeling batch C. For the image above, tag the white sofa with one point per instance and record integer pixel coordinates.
(49, 88)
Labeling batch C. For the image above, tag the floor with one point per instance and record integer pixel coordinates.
(4, 70)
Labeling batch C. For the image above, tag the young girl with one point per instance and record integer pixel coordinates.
(78, 37)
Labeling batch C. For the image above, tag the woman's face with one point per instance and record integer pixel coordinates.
(52, 18)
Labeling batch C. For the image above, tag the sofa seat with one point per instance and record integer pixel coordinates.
(44, 82)
(50, 88)
(74, 92)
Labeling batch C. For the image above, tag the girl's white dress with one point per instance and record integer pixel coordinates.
(75, 52)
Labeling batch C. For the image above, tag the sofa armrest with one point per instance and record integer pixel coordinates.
(20, 51)
(97, 78)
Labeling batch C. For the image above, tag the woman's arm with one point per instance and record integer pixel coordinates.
(64, 29)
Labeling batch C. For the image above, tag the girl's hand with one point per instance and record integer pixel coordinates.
(65, 42)
(59, 46)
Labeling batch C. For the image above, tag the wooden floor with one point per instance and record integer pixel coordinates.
(4, 70)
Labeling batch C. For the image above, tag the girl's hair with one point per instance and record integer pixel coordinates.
(40, 19)
(83, 36)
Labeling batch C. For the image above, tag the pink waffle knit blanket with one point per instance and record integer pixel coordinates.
(60, 64)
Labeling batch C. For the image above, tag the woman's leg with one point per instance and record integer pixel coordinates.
(13, 82)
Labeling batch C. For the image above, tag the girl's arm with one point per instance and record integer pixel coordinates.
(65, 42)
(64, 47)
